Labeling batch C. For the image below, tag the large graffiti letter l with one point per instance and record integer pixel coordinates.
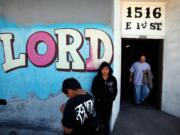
(10, 62)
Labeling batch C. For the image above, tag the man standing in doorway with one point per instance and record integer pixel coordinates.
(137, 70)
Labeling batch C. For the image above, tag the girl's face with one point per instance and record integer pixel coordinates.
(105, 71)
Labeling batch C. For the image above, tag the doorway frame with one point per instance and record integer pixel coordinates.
(160, 70)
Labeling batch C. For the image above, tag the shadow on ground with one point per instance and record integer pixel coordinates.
(145, 120)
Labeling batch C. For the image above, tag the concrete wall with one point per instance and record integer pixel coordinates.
(33, 112)
(57, 11)
(171, 66)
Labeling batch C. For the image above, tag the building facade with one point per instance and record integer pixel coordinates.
(35, 56)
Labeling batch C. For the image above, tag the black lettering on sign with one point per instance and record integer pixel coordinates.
(148, 12)
(139, 12)
(129, 11)
(128, 25)
(141, 25)
(157, 12)
(155, 26)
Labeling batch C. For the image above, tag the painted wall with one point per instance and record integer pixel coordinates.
(33, 91)
(171, 66)
(54, 52)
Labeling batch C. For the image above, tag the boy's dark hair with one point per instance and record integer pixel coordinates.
(70, 83)
(104, 64)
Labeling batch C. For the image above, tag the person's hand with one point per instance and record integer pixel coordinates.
(130, 79)
(62, 107)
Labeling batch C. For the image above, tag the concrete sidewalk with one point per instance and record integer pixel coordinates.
(145, 120)
(20, 131)
(142, 120)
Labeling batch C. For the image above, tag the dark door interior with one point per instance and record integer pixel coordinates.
(131, 51)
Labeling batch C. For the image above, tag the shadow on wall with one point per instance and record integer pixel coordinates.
(32, 113)
(13, 131)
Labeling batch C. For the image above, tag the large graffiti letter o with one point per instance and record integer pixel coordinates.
(41, 60)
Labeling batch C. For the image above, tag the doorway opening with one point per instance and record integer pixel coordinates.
(131, 51)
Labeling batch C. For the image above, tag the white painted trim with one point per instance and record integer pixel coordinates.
(117, 58)
(147, 37)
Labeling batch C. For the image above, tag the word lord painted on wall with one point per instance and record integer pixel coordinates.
(36, 59)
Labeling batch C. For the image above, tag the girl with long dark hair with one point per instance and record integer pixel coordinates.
(104, 89)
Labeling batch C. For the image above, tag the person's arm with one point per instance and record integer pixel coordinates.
(131, 72)
(69, 119)
(62, 108)
(114, 89)
(149, 67)
(130, 77)
(94, 88)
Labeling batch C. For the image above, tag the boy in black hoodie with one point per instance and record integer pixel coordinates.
(78, 111)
